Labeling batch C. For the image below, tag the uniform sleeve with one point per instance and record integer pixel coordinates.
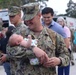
(18, 52)
(61, 51)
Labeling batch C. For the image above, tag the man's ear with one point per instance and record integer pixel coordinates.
(19, 14)
(39, 15)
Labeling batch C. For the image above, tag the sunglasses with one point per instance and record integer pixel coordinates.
(12, 16)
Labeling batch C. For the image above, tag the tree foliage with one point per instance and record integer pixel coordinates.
(8, 3)
(71, 11)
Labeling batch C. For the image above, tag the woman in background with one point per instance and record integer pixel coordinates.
(65, 70)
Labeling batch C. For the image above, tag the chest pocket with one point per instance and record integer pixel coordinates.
(47, 45)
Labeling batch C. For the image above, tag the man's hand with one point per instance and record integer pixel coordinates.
(40, 54)
(53, 61)
(3, 58)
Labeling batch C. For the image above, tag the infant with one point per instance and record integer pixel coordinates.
(16, 40)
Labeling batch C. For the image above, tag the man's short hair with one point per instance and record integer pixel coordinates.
(47, 10)
(14, 10)
(30, 10)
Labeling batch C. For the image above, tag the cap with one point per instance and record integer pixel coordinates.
(13, 10)
(30, 10)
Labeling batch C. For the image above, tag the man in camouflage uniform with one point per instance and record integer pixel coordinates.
(46, 41)
(15, 18)
(49, 41)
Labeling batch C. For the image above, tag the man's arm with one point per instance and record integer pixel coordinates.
(62, 51)
(66, 40)
(18, 51)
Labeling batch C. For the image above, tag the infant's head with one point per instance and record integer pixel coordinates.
(15, 40)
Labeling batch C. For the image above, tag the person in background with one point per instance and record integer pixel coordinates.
(15, 17)
(65, 70)
(2, 37)
(7, 33)
(74, 39)
(47, 20)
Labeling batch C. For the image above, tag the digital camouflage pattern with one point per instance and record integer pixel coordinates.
(13, 10)
(20, 56)
(30, 10)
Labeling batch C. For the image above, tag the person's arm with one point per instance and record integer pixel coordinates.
(66, 40)
(62, 51)
(68, 33)
(15, 52)
(41, 54)
(63, 34)
(62, 54)
(18, 51)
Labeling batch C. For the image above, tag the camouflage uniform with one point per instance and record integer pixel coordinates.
(49, 41)
(19, 56)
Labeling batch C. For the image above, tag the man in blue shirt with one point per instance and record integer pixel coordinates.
(47, 20)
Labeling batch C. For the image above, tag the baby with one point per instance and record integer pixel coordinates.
(16, 40)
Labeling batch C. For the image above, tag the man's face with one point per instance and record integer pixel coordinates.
(33, 23)
(47, 18)
(61, 22)
(14, 19)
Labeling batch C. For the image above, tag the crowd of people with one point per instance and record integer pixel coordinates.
(52, 47)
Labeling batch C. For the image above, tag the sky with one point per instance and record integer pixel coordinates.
(59, 5)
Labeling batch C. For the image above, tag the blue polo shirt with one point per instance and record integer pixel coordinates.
(57, 28)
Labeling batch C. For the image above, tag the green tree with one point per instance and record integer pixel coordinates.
(71, 11)
(8, 3)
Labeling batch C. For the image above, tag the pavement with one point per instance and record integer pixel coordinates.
(72, 68)
(2, 72)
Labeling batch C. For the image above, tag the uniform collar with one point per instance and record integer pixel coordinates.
(43, 32)
(19, 24)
